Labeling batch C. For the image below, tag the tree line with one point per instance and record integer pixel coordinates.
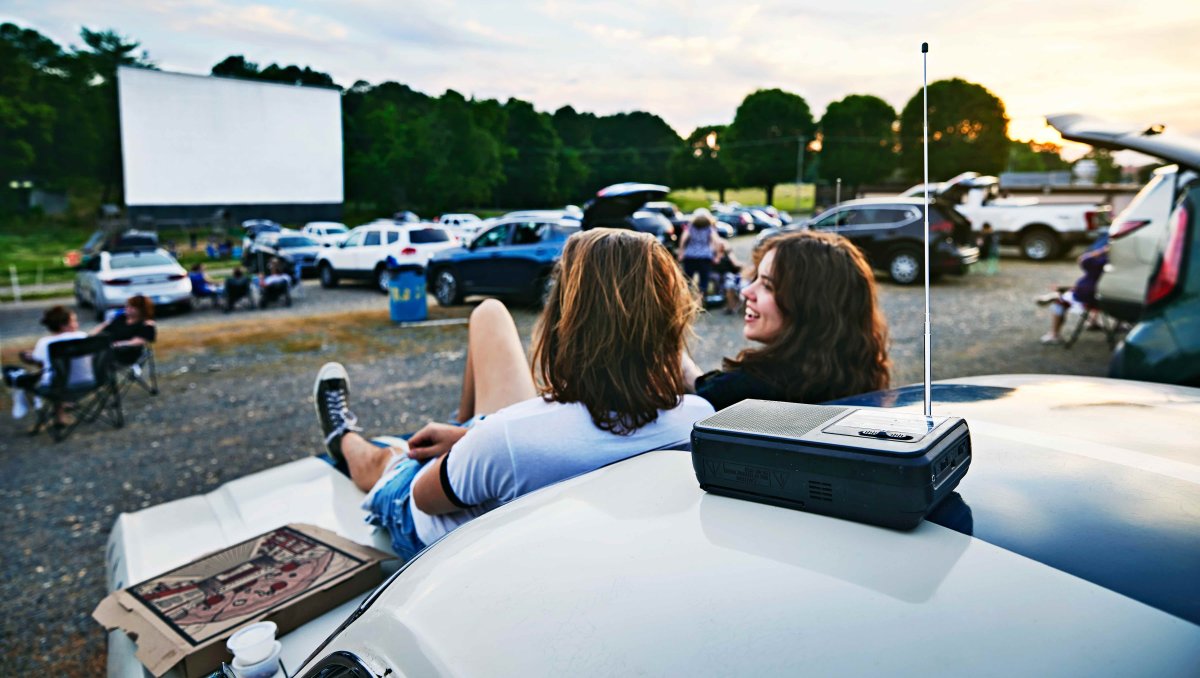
(404, 148)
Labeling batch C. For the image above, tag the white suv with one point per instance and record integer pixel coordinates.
(365, 249)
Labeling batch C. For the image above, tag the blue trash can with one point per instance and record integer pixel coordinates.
(406, 293)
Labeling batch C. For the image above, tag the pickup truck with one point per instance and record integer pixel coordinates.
(1043, 231)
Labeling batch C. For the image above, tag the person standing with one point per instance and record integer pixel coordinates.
(698, 249)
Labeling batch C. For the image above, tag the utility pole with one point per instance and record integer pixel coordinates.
(837, 200)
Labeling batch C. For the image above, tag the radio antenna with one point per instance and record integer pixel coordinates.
(925, 268)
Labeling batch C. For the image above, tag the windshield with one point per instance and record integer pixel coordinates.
(296, 241)
(140, 260)
(421, 236)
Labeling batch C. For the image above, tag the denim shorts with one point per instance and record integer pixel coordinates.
(388, 506)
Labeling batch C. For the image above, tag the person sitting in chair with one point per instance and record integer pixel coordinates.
(63, 326)
(1082, 294)
(237, 287)
(202, 286)
(131, 329)
(277, 284)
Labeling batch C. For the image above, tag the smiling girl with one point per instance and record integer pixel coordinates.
(812, 308)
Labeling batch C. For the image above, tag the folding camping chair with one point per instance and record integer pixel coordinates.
(98, 398)
(142, 372)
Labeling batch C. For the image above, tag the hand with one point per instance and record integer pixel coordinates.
(434, 440)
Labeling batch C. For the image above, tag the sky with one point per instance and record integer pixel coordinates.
(692, 62)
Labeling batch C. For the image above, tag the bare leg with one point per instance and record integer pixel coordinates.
(1056, 320)
(366, 460)
(497, 373)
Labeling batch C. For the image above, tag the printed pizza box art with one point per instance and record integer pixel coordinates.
(209, 596)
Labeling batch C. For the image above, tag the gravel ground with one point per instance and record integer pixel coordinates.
(242, 408)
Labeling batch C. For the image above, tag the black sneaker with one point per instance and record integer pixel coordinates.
(331, 393)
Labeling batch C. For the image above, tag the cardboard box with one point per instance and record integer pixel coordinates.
(288, 575)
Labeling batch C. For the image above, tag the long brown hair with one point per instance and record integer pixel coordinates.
(834, 339)
(144, 306)
(613, 329)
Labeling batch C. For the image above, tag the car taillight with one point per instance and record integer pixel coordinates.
(1126, 227)
(1166, 280)
(745, 219)
(408, 251)
(118, 281)
(941, 227)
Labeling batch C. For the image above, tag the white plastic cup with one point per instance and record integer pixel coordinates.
(252, 644)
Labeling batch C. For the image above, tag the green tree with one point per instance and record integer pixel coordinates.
(631, 147)
(968, 131)
(466, 167)
(858, 141)
(764, 138)
(1109, 171)
(1032, 156)
(109, 50)
(700, 161)
(531, 171)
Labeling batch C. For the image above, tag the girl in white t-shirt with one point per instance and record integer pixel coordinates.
(63, 325)
(606, 384)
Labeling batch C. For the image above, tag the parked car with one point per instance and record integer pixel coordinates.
(295, 249)
(105, 280)
(890, 231)
(328, 233)
(513, 258)
(1138, 234)
(1043, 231)
(1165, 344)
(363, 253)
(737, 223)
(252, 228)
(681, 221)
(1069, 549)
(617, 206)
(758, 219)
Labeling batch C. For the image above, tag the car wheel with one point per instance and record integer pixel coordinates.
(904, 266)
(1039, 244)
(446, 289)
(381, 278)
(328, 277)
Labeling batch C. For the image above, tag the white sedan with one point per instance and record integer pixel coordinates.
(362, 255)
(328, 233)
(1068, 549)
(107, 279)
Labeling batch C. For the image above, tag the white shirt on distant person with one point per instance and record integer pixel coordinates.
(81, 368)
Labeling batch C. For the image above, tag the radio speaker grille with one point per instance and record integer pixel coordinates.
(771, 418)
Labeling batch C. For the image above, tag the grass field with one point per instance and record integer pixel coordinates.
(786, 197)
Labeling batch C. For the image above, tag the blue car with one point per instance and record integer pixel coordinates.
(513, 258)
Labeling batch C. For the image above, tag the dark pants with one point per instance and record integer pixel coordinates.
(235, 291)
(17, 377)
(701, 266)
(272, 293)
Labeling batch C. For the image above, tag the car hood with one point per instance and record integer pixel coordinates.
(1152, 140)
(620, 201)
(633, 569)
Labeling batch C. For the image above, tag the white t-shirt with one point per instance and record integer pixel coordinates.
(534, 443)
(81, 368)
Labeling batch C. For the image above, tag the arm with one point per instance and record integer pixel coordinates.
(98, 329)
(429, 492)
(683, 243)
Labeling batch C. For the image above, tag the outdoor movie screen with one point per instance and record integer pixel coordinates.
(199, 140)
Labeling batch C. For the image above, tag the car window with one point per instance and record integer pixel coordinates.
(423, 236)
(335, 230)
(528, 233)
(494, 237)
(831, 220)
(355, 239)
(139, 260)
(393, 237)
(882, 216)
(372, 239)
(295, 241)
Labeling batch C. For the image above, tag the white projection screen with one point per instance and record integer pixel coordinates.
(191, 141)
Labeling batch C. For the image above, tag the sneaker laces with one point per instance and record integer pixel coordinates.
(335, 405)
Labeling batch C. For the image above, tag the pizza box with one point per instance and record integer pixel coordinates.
(288, 575)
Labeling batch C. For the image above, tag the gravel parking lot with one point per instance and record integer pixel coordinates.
(236, 398)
